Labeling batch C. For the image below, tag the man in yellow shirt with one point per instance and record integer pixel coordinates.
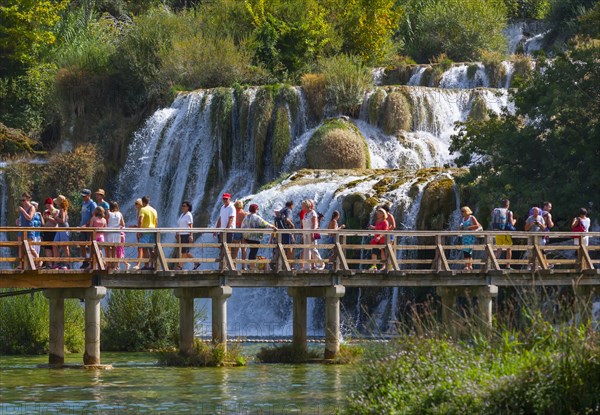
(148, 218)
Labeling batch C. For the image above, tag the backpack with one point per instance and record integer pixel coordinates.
(499, 219)
(281, 219)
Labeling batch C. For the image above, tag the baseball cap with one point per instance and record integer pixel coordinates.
(226, 196)
(86, 192)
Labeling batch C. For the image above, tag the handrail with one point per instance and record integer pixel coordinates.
(404, 251)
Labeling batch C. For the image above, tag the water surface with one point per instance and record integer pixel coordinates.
(138, 385)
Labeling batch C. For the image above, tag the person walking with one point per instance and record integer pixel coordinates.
(115, 221)
(186, 220)
(468, 223)
(310, 221)
(87, 212)
(148, 219)
(26, 215)
(226, 220)
(62, 220)
(381, 224)
(547, 215)
(581, 223)
(283, 220)
(254, 221)
(238, 238)
(503, 220)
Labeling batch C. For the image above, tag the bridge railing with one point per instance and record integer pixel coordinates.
(339, 250)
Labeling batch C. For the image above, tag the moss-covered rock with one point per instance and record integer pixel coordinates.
(13, 141)
(397, 75)
(221, 109)
(523, 65)
(357, 209)
(313, 86)
(337, 144)
(282, 136)
(479, 108)
(437, 204)
(376, 101)
(397, 114)
(261, 114)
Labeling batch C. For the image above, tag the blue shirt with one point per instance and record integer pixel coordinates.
(87, 211)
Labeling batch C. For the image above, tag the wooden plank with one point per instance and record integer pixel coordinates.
(391, 256)
(440, 259)
(586, 261)
(226, 254)
(283, 257)
(161, 258)
(54, 280)
(340, 258)
(29, 262)
(539, 255)
(490, 258)
(97, 255)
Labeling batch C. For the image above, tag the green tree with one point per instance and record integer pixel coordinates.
(549, 148)
(460, 29)
(26, 30)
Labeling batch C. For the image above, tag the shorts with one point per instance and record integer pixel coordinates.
(287, 239)
(99, 237)
(62, 236)
(147, 238)
(184, 239)
(237, 237)
(48, 236)
(504, 240)
(376, 251)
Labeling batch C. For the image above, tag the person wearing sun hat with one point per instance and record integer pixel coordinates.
(100, 194)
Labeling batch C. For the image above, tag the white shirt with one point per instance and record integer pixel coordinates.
(114, 219)
(185, 220)
(226, 213)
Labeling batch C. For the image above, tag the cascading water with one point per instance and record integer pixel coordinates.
(212, 141)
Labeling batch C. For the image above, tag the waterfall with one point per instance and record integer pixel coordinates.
(211, 141)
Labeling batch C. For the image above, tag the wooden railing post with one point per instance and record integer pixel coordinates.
(159, 253)
(491, 262)
(440, 262)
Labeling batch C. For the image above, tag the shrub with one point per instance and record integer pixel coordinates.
(287, 353)
(543, 370)
(13, 141)
(314, 88)
(460, 29)
(527, 9)
(397, 114)
(204, 354)
(346, 82)
(337, 144)
(25, 325)
(137, 320)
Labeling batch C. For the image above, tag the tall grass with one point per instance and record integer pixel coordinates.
(546, 364)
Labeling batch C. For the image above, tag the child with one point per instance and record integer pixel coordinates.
(98, 221)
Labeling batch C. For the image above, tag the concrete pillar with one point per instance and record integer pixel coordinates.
(219, 296)
(448, 302)
(56, 356)
(332, 320)
(299, 338)
(92, 298)
(186, 320)
(484, 303)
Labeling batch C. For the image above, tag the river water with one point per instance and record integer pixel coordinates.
(137, 385)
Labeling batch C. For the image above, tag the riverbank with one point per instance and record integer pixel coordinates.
(137, 384)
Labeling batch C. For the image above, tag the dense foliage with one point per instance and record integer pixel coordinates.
(136, 320)
(204, 354)
(547, 370)
(24, 325)
(546, 150)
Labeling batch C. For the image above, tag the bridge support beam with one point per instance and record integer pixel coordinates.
(218, 296)
(92, 297)
(332, 316)
(56, 356)
(485, 297)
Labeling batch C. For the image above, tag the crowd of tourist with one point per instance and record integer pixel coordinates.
(106, 221)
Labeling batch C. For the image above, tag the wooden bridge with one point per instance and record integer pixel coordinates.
(412, 259)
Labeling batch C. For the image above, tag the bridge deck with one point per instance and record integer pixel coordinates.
(413, 258)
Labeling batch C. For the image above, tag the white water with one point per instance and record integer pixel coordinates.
(170, 160)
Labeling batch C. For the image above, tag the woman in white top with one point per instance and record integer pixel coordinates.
(581, 223)
(311, 221)
(186, 220)
(115, 221)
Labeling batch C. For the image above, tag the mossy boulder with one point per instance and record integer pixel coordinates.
(376, 101)
(479, 109)
(357, 209)
(397, 114)
(437, 204)
(282, 136)
(337, 144)
(13, 141)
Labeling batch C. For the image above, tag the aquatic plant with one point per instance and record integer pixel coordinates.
(204, 354)
(287, 353)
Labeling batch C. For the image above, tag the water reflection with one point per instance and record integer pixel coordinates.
(138, 385)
